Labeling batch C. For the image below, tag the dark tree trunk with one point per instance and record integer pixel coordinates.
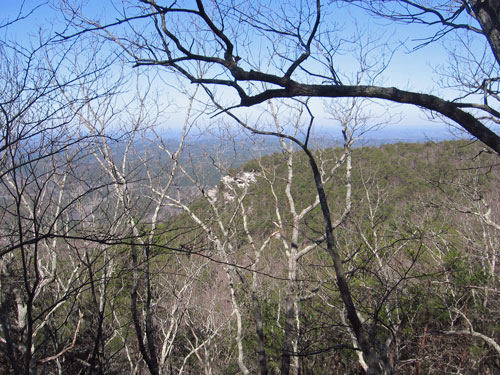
(487, 13)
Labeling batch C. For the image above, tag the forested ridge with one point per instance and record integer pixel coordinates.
(420, 249)
(145, 228)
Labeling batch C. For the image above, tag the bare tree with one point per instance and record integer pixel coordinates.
(467, 256)
(39, 198)
(52, 248)
(297, 37)
(207, 45)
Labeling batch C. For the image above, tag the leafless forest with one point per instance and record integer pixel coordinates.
(248, 242)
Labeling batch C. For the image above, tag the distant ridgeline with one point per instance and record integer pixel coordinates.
(209, 154)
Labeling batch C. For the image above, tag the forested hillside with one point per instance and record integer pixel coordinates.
(242, 272)
(186, 187)
(419, 246)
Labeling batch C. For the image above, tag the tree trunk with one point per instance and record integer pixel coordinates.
(487, 13)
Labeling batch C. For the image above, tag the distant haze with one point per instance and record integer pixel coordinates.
(332, 136)
(414, 133)
(397, 133)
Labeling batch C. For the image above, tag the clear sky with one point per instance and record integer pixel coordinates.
(413, 70)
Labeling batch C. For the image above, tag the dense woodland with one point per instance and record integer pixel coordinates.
(170, 204)
(244, 267)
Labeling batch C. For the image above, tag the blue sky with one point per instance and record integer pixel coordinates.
(412, 70)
